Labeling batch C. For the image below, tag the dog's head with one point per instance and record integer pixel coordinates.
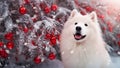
(82, 27)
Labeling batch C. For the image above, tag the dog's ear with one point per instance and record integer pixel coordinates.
(73, 13)
(93, 16)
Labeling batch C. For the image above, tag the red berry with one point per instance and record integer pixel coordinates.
(58, 37)
(103, 29)
(43, 5)
(44, 46)
(9, 36)
(54, 7)
(47, 10)
(110, 26)
(37, 59)
(101, 16)
(48, 36)
(34, 19)
(58, 19)
(1, 43)
(82, 12)
(16, 58)
(3, 53)
(88, 9)
(22, 10)
(33, 42)
(27, 1)
(25, 30)
(119, 43)
(118, 35)
(10, 45)
(51, 56)
(53, 40)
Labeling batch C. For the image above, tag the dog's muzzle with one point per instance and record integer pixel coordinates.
(78, 35)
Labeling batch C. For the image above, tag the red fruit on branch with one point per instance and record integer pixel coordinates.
(110, 26)
(51, 56)
(27, 1)
(43, 5)
(89, 8)
(48, 36)
(118, 43)
(118, 35)
(10, 45)
(58, 37)
(53, 40)
(54, 7)
(47, 10)
(37, 59)
(101, 16)
(22, 10)
(25, 30)
(1, 43)
(3, 53)
(9, 36)
(33, 42)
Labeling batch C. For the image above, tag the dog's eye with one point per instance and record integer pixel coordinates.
(75, 23)
(86, 24)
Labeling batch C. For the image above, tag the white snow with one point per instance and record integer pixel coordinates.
(58, 64)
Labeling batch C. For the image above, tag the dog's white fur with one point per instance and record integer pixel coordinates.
(89, 52)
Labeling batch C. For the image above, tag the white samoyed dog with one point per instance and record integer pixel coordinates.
(81, 44)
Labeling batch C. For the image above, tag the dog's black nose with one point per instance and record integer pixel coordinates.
(78, 28)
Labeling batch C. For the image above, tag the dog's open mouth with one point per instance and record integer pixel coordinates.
(78, 36)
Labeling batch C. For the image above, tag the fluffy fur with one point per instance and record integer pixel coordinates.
(83, 47)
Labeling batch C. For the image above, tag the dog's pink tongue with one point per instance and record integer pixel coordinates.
(77, 36)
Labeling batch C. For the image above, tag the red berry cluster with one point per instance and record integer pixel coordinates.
(52, 37)
(48, 9)
(38, 59)
(10, 37)
(9, 44)
(3, 53)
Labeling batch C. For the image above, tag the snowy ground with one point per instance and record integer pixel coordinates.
(58, 64)
(116, 62)
(50, 64)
